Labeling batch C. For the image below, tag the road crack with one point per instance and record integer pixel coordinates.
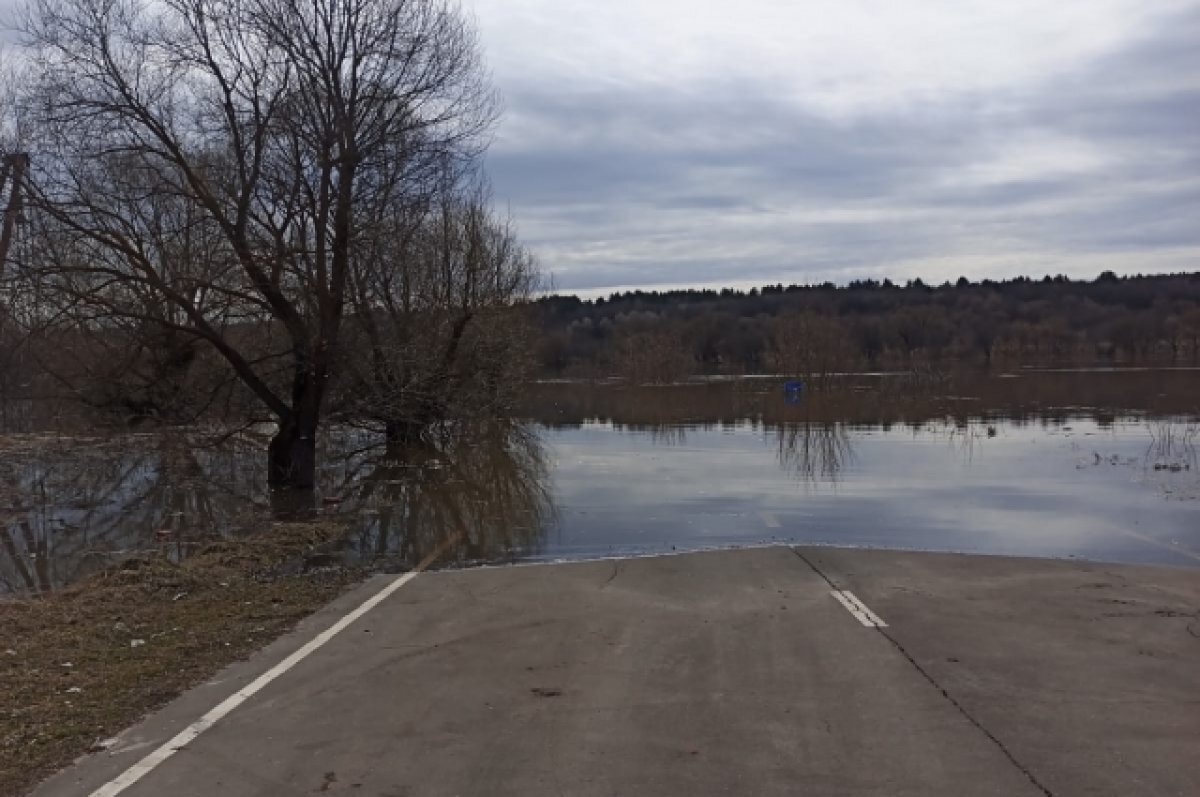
(995, 740)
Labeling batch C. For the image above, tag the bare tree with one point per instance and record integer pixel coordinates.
(650, 350)
(437, 329)
(813, 346)
(213, 167)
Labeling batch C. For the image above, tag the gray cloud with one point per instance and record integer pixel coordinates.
(723, 182)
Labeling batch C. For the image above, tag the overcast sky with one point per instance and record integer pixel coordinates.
(705, 142)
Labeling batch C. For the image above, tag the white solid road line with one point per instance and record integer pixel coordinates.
(858, 609)
(770, 520)
(188, 734)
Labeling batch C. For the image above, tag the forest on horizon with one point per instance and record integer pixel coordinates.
(818, 330)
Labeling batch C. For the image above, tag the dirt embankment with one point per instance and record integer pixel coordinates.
(80, 665)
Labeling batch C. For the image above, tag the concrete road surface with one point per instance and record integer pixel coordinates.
(733, 672)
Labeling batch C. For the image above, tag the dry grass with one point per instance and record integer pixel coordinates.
(80, 665)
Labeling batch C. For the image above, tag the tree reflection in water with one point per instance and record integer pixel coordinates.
(70, 505)
(1173, 445)
(482, 488)
(814, 451)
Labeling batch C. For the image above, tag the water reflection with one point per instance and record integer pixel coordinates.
(68, 505)
(1074, 488)
(1024, 464)
(485, 487)
(874, 400)
(814, 452)
(1172, 446)
(1037, 465)
(71, 505)
(967, 438)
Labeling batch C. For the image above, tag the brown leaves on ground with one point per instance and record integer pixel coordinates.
(79, 666)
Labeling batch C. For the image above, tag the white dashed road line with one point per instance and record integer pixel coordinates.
(858, 609)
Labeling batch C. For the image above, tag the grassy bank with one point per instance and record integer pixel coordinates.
(80, 665)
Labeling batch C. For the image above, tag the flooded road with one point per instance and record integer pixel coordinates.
(1094, 465)
(1072, 488)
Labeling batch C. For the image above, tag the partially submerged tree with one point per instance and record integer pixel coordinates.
(436, 329)
(810, 345)
(216, 168)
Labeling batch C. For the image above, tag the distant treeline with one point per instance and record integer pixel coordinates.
(818, 330)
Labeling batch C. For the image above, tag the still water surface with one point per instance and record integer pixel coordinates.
(1094, 465)
(1071, 488)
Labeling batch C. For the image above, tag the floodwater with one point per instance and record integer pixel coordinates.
(1094, 465)
(1066, 489)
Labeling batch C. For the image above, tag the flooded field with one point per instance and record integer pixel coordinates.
(1095, 465)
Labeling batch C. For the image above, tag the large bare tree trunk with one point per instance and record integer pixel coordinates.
(292, 456)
